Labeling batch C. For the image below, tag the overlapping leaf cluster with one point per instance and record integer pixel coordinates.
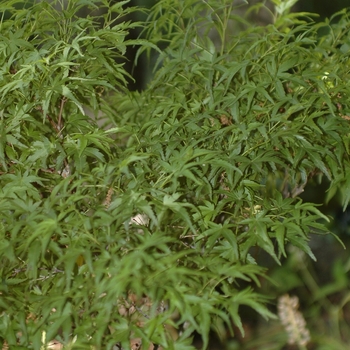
(213, 155)
(55, 66)
(235, 132)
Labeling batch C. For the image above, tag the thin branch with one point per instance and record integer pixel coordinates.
(59, 122)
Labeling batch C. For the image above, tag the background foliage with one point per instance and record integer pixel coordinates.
(131, 218)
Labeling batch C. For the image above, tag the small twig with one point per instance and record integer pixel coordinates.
(54, 125)
(141, 312)
(59, 122)
(298, 189)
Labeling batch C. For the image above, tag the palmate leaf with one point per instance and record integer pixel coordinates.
(170, 201)
(345, 190)
(246, 297)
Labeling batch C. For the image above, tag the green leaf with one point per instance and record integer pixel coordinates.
(66, 92)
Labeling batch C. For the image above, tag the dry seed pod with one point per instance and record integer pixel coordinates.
(293, 320)
(108, 199)
(54, 345)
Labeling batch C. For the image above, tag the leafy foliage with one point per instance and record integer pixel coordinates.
(145, 228)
